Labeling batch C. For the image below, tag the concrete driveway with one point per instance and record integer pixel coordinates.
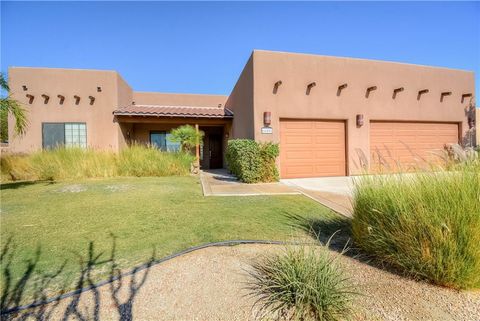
(333, 192)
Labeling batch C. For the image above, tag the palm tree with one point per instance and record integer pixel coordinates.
(9, 105)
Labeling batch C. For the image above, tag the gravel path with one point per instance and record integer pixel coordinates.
(210, 285)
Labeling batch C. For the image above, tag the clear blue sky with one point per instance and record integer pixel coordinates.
(201, 47)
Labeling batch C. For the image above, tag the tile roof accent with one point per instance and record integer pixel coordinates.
(174, 111)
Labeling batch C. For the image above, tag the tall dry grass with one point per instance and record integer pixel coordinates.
(426, 223)
(77, 163)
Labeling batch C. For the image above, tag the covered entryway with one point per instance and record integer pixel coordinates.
(402, 146)
(311, 148)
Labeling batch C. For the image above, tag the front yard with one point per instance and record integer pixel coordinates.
(164, 215)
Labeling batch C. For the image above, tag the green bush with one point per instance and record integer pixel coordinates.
(301, 284)
(252, 162)
(78, 163)
(427, 224)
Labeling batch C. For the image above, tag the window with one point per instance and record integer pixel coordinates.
(161, 140)
(64, 134)
(76, 135)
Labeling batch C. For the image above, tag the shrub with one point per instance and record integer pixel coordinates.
(427, 224)
(77, 163)
(251, 161)
(301, 284)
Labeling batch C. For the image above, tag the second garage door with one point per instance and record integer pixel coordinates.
(310, 148)
(406, 145)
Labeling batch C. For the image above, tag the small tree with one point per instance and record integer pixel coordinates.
(187, 136)
(9, 105)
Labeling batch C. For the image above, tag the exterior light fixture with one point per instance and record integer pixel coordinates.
(46, 98)
(92, 99)
(276, 85)
(219, 105)
(421, 92)
(99, 89)
(360, 121)
(444, 94)
(466, 96)
(267, 118)
(30, 98)
(77, 99)
(369, 89)
(396, 91)
(24, 88)
(340, 88)
(310, 86)
(61, 98)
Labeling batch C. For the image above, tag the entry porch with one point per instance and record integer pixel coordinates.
(155, 131)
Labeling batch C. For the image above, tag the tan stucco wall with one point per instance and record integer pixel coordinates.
(102, 132)
(297, 70)
(240, 102)
(172, 99)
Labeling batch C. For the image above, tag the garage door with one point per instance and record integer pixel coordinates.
(407, 145)
(310, 148)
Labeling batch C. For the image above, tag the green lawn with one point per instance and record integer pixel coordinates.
(167, 214)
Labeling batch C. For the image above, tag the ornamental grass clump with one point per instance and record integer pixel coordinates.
(427, 223)
(302, 283)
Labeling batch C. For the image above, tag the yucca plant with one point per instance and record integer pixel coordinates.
(302, 283)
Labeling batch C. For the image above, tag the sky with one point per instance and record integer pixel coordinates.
(201, 47)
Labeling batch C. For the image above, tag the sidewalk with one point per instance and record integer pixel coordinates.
(219, 182)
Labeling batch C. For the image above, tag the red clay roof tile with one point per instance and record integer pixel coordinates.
(174, 111)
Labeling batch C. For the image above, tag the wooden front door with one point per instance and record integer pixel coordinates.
(215, 150)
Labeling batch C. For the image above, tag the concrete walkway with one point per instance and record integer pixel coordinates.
(219, 182)
(333, 192)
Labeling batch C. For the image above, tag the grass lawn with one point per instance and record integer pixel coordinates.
(167, 214)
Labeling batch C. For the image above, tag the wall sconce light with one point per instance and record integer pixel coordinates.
(276, 85)
(396, 91)
(360, 121)
(92, 99)
(128, 134)
(267, 118)
(99, 89)
(444, 94)
(340, 88)
(369, 89)
(46, 98)
(310, 86)
(466, 96)
(30, 98)
(24, 88)
(421, 92)
(77, 99)
(62, 99)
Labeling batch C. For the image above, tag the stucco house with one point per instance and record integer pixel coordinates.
(331, 116)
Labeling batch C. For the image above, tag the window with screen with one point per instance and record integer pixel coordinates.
(161, 140)
(64, 134)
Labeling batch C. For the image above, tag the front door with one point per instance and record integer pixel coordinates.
(215, 150)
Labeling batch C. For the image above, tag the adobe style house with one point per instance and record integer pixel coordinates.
(331, 116)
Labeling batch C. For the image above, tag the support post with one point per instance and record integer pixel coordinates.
(197, 150)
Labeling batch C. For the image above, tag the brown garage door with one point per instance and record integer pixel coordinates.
(407, 145)
(310, 148)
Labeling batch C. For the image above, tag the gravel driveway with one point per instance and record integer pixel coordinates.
(209, 284)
